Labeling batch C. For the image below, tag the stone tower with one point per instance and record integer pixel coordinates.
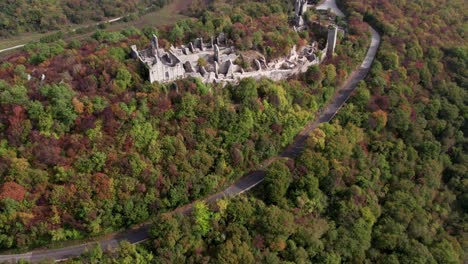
(303, 7)
(154, 45)
(300, 7)
(331, 40)
(216, 53)
(200, 44)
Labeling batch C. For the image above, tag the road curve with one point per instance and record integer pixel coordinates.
(246, 183)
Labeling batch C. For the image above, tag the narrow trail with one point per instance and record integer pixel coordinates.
(247, 182)
(12, 48)
(73, 30)
(176, 6)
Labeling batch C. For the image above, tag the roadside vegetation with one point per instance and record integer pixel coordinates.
(88, 146)
(384, 183)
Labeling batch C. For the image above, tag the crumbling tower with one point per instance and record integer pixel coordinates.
(331, 40)
(300, 7)
(216, 52)
(154, 46)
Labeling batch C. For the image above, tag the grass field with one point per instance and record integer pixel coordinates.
(19, 40)
(165, 16)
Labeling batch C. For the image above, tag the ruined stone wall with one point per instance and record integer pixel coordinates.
(181, 62)
(164, 73)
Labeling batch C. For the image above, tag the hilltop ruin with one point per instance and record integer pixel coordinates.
(218, 58)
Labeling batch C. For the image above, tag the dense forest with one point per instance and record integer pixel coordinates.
(88, 146)
(19, 16)
(384, 183)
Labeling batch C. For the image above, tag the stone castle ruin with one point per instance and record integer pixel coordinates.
(331, 40)
(215, 61)
(300, 7)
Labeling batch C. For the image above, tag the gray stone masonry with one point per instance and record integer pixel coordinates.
(181, 62)
(331, 40)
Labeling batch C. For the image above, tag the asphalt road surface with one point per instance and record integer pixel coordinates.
(246, 183)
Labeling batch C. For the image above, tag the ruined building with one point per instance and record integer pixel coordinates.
(163, 66)
(215, 61)
(331, 40)
(300, 7)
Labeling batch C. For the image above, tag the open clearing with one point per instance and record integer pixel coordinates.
(167, 15)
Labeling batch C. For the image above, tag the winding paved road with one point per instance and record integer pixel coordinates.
(246, 183)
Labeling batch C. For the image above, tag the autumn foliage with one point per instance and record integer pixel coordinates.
(12, 190)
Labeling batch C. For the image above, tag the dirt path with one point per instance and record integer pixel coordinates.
(165, 16)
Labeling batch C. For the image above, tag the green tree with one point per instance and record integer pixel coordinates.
(277, 180)
(123, 79)
(61, 108)
(176, 34)
(14, 95)
(202, 218)
(276, 225)
(330, 75)
(314, 76)
(245, 91)
(444, 252)
(128, 253)
(94, 255)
